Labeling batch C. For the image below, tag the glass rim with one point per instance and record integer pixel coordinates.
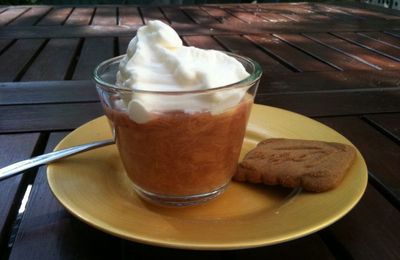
(254, 76)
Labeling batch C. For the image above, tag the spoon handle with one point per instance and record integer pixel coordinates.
(18, 167)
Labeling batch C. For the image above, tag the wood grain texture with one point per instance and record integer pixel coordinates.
(152, 13)
(80, 16)
(244, 47)
(192, 29)
(335, 103)
(57, 16)
(323, 53)
(129, 15)
(354, 51)
(13, 148)
(14, 60)
(47, 92)
(94, 51)
(297, 59)
(383, 38)
(204, 42)
(176, 16)
(329, 81)
(382, 163)
(11, 14)
(30, 17)
(105, 16)
(371, 229)
(47, 117)
(378, 47)
(389, 123)
(47, 230)
(43, 67)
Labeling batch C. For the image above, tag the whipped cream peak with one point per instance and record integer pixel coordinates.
(156, 60)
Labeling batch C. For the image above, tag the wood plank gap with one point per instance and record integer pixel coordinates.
(30, 62)
(381, 129)
(392, 34)
(141, 15)
(366, 47)
(335, 247)
(116, 46)
(93, 14)
(275, 56)
(74, 60)
(343, 52)
(43, 16)
(384, 190)
(15, 18)
(308, 53)
(375, 39)
(117, 15)
(185, 13)
(7, 46)
(69, 14)
(165, 16)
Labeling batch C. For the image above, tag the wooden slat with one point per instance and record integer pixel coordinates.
(383, 38)
(323, 53)
(53, 61)
(4, 44)
(80, 16)
(204, 42)
(297, 59)
(371, 229)
(31, 16)
(389, 123)
(277, 18)
(382, 155)
(152, 13)
(94, 51)
(221, 15)
(246, 16)
(176, 16)
(194, 29)
(123, 43)
(20, 54)
(373, 45)
(329, 81)
(47, 117)
(47, 230)
(368, 14)
(46, 92)
(105, 16)
(198, 15)
(335, 103)
(354, 51)
(10, 14)
(56, 16)
(129, 16)
(244, 47)
(13, 148)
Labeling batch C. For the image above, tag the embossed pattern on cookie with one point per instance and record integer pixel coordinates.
(313, 165)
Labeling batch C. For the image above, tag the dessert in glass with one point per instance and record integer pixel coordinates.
(178, 114)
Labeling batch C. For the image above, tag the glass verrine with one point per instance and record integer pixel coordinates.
(186, 152)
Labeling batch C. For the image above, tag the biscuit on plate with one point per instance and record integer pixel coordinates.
(313, 165)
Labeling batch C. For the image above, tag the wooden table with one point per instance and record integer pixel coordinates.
(339, 64)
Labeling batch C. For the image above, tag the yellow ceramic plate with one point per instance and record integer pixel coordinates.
(93, 187)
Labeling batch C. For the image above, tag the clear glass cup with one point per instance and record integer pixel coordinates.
(187, 155)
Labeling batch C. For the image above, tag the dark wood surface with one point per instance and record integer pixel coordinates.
(336, 63)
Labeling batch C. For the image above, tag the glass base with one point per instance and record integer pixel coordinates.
(179, 201)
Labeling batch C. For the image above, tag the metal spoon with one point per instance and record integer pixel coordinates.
(18, 167)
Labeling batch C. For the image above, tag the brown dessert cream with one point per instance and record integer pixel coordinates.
(179, 114)
(181, 154)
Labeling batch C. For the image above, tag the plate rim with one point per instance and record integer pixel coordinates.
(258, 242)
